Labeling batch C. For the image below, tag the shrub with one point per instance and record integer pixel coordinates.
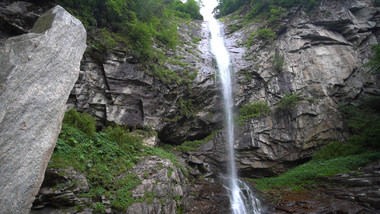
(122, 137)
(374, 62)
(278, 62)
(99, 207)
(255, 109)
(289, 101)
(267, 35)
(364, 124)
(81, 121)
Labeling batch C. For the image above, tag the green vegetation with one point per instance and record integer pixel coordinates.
(364, 124)
(104, 157)
(124, 189)
(374, 62)
(377, 3)
(99, 207)
(266, 35)
(278, 61)
(186, 107)
(135, 24)
(313, 171)
(289, 101)
(82, 121)
(271, 9)
(255, 109)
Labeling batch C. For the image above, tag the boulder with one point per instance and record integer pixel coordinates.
(39, 70)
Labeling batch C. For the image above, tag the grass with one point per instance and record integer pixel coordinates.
(313, 171)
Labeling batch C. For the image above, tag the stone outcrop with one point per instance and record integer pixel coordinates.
(38, 72)
(61, 189)
(163, 186)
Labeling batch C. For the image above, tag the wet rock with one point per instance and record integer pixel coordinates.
(207, 197)
(39, 70)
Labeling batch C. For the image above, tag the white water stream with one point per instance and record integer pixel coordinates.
(242, 199)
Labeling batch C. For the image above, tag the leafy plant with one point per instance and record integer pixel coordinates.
(255, 109)
(81, 121)
(289, 101)
(374, 62)
(99, 207)
(278, 61)
(124, 188)
(266, 34)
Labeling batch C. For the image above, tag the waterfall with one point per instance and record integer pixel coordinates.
(241, 197)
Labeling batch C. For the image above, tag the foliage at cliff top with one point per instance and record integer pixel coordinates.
(137, 23)
(257, 7)
(105, 158)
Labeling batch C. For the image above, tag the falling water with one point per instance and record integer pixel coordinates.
(241, 197)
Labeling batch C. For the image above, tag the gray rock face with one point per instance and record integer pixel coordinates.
(61, 188)
(38, 71)
(163, 181)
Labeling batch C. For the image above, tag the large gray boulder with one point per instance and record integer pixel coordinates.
(38, 71)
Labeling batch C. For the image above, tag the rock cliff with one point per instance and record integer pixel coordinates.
(317, 54)
(116, 87)
(33, 102)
